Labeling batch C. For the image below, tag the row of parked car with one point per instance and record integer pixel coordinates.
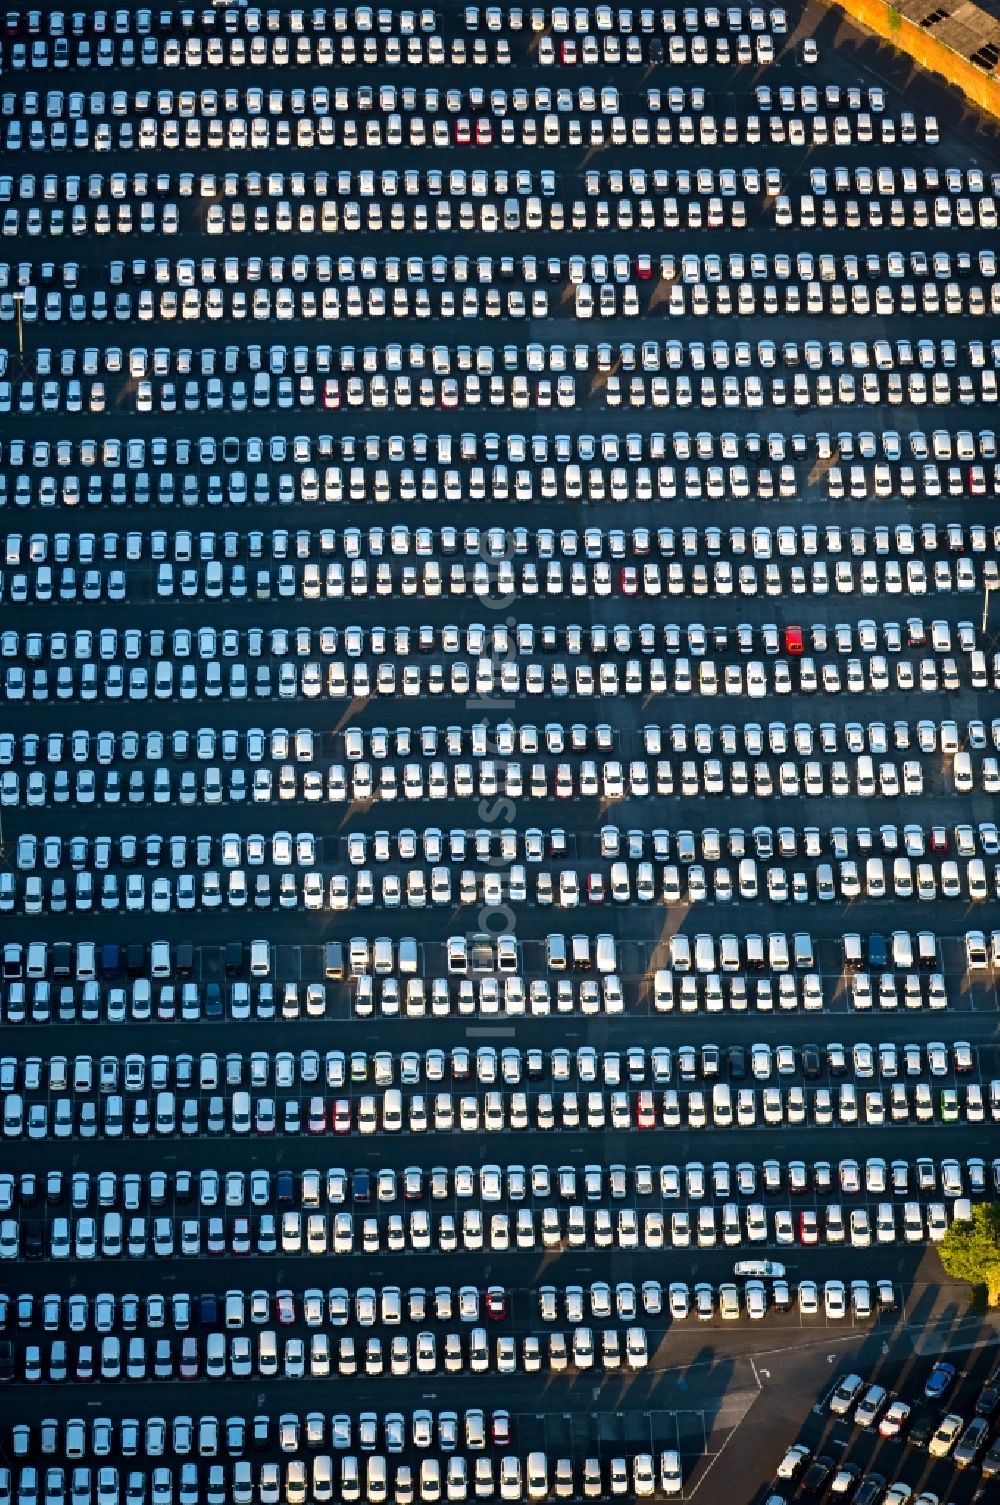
(530, 452)
(493, 1184)
(322, 1478)
(496, 1111)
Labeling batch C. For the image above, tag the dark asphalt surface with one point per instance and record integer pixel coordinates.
(732, 1396)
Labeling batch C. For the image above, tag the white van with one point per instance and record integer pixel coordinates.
(704, 953)
(392, 1111)
(111, 1235)
(722, 1105)
(166, 1113)
(37, 964)
(975, 951)
(350, 1479)
(730, 953)
(458, 954)
(242, 1482)
(607, 954)
(240, 1112)
(663, 989)
(322, 1478)
(680, 953)
(537, 1476)
(378, 1483)
(215, 1356)
(267, 1353)
(902, 950)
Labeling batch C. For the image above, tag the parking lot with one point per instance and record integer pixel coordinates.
(499, 640)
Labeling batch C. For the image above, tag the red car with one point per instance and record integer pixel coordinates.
(342, 1116)
(500, 1428)
(630, 580)
(496, 1303)
(645, 1110)
(189, 1358)
(595, 888)
(808, 1227)
(463, 132)
(567, 52)
(484, 131)
(939, 839)
(239, 1239)
(284, 1307)
(331, 393)
(643, 268)
(793, 641)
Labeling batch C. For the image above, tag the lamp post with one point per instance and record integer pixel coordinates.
(19, 300)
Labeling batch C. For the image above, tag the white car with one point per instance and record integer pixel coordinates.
(835, 1300)
(671, 1477)
(808, 1298)
(792, 1461)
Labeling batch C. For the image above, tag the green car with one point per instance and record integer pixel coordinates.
(949, 1105)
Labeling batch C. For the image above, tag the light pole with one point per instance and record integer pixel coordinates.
(19, 300)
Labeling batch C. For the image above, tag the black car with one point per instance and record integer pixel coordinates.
(737, 1063)
(870, 1490)
(988, 1401)
(923, 1427)
(989, 1465)
(812, 1062)
(877, 953)
(32, 1239)
(135, 958)
(6, 1360)
(816, 1475)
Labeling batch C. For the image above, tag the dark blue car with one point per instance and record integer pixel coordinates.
(939, 1381)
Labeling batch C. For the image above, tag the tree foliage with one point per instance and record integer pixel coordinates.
(970, 1250)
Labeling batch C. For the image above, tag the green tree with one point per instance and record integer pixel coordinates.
(970, 1250)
